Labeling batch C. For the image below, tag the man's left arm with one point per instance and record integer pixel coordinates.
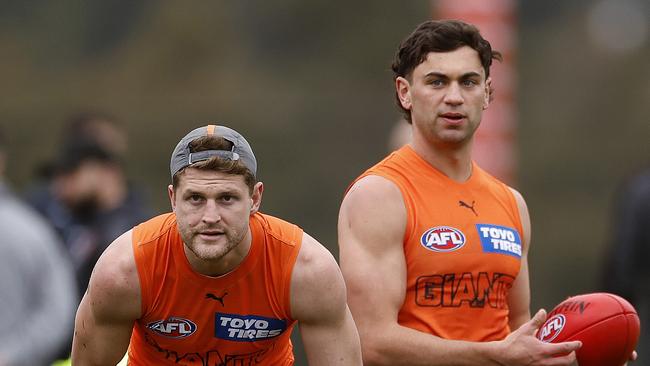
(519, 298)
(318, 303)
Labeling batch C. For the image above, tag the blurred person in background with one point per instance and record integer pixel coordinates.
(100, 128)
(426, 283)
(215, 281)
(37, 289)
(85, 193)
(626, 271)
(94, 127)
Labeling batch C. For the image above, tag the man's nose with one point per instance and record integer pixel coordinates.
(211, 213)
(454, 95)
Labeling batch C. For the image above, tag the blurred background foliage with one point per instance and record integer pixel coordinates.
(309, 84)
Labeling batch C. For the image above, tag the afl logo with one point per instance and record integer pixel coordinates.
(552, 328)
(173, 327)
(442, 239)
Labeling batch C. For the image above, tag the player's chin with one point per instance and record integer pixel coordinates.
(452, 136)
(210, 250)
(209, 254)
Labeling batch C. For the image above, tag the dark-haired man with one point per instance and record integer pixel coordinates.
(433, 249)
(85, 192)
(215, 282)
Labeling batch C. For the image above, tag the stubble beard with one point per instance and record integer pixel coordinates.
(213, 251)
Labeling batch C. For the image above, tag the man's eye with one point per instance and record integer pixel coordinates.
(470, 82)
(195, 198)
(437, 82)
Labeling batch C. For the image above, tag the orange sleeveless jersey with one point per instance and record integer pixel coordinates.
(241, 318)
(462, 246)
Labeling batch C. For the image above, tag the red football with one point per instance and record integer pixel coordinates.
(607, 325)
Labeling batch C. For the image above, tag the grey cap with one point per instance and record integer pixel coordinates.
(241, 150)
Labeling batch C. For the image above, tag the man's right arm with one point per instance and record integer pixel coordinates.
(109, 308)
(372, 223)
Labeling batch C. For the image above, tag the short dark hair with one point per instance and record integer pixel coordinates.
(96, 127)
(234, 167)
(439, 36)
(75, 153)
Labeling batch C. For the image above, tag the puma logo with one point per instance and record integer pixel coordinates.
(471, 207)
(212, 296)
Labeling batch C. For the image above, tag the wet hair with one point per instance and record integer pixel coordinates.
(215, 163)
(439, 36)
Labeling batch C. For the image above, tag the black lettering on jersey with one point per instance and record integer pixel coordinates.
(476, 290)
(210, 358)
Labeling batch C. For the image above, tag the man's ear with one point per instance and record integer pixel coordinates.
(403, 90)
(172, 196)
(256, 197)
(489, 93)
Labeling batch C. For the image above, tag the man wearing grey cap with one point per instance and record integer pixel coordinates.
(215, 282)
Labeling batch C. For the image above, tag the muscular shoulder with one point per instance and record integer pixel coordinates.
(114, 289)
(518, 197)
(317, 287)
(372, 191)
(373, 212)
(524, 217)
